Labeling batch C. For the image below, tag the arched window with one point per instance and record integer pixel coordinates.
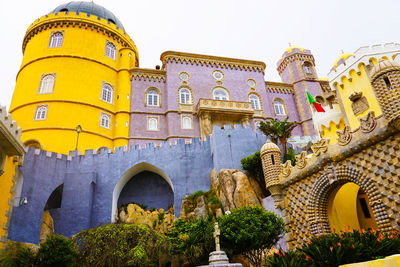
(152, 98)
(220, 94)
(186, 122)
(152, 124)
(105, 120)
(56, 39)
(41, 113)
(107, 93)
(46, 84)
(279, 107)
(184, 96)
(110, 50)
(255, 102)
(307, 68)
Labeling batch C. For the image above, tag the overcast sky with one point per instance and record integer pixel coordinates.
(246, 29)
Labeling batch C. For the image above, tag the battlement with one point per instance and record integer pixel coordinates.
(12, 133)
(362, 56)
(73, 19)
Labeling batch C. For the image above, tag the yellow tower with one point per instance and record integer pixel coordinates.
(75, 72)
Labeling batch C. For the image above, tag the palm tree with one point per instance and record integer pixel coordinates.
(278, 130)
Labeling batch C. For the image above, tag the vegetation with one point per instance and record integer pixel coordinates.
(120, 245)
(250, 231)
(211, 200)
(337, 249)
(55, 251)
(192, 239)
(278, 130)
(291, 155)
(253, 166)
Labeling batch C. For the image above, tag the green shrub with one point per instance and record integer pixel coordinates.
(23, 257)
(56, 251)
(286, 259)
(250, 231)
(120, 245)
(290, 156)
(253, 165)
(192, 239)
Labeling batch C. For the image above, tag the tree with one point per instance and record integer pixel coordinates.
(56, 251)
(278, 130)
(250, 231)
(120, 245)
(192, 239)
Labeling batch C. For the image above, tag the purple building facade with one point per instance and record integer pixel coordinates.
(192, 93)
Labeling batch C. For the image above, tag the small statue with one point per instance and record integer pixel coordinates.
(217, 233)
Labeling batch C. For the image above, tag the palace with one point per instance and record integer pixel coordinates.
(153, 136)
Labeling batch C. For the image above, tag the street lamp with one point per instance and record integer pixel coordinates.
(78, 130)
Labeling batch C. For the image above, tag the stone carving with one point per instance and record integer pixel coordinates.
(320, 147)
(301, 160)
(360, 103)
(331, 174)
(286, 169)
(344, 136)
(368, 123)
(217, 233)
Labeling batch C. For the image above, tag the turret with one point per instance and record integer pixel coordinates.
(385, 79)
(272, 167)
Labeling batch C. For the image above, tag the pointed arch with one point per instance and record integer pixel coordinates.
(138, 168)
(317, 207)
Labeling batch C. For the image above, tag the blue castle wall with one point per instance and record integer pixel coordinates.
(89, 180)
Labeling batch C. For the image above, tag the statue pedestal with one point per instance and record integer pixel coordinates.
(219, 259)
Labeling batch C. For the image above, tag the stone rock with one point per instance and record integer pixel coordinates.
(47, 226)
(235, 189)
(201, 210)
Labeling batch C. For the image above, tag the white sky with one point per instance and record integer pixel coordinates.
(246, 29)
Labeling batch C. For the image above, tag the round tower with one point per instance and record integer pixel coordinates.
(385, 79)
(272, 167)
(75, 72)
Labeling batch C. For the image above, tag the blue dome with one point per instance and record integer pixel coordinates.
(91, 9)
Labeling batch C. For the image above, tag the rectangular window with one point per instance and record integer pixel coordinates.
(105, 120)
(186, 122)
(41, 113)
(152, 124)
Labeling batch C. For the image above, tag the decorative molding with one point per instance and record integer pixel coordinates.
(301, 160)
(286, 169)
(10, 133)
(279, 88)
(359, 105)
(320, 147)
(368, 123)
(148, 74)
(282, 64)
(344, 136)
(212, 61)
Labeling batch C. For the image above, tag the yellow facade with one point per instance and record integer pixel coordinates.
(80, 67)
(330, 132)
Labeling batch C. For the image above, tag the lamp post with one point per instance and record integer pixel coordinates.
(78, 130)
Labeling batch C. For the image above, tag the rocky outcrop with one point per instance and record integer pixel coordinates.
(47, 226)
(235, 189)
(155, 219)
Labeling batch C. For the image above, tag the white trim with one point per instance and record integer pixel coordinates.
(45, 85)
(183, 117)
(105, 123)
(111, 50)
(152, 118)
(103, 96)
(43, 109)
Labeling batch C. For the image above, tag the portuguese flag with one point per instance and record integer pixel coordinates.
(312, 101)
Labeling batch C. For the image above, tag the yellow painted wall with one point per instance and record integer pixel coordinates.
(342, 208)
(357, 83)
(331, 131)
(365, 223)
(5, 186)
(81, 67)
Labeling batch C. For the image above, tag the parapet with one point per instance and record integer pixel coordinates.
(11, 133)
(363, 56)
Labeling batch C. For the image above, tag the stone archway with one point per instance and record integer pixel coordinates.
(126, 177)
(333, 177)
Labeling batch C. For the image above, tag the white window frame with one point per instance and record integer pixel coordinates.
(185, 125)
(46, 85)
(150, 121)
(185, 97)
(56, 39)
(307, 68)
(41, 113)
(255, 102)
(105, 120)
(279, 107)
(153, 94)
(220, 97)
(107, 93)
(111, 50)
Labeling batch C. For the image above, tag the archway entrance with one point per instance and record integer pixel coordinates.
(53, 203)
(148, 189)
(143, 183)
(348, 207)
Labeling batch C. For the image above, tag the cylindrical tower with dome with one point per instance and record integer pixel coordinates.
(75, 71)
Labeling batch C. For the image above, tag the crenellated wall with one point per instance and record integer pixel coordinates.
(92, 182)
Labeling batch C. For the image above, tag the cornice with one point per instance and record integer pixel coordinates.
(277, 87)
(148, 74)
(223, 62)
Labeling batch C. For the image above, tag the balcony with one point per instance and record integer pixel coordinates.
(224, 107)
